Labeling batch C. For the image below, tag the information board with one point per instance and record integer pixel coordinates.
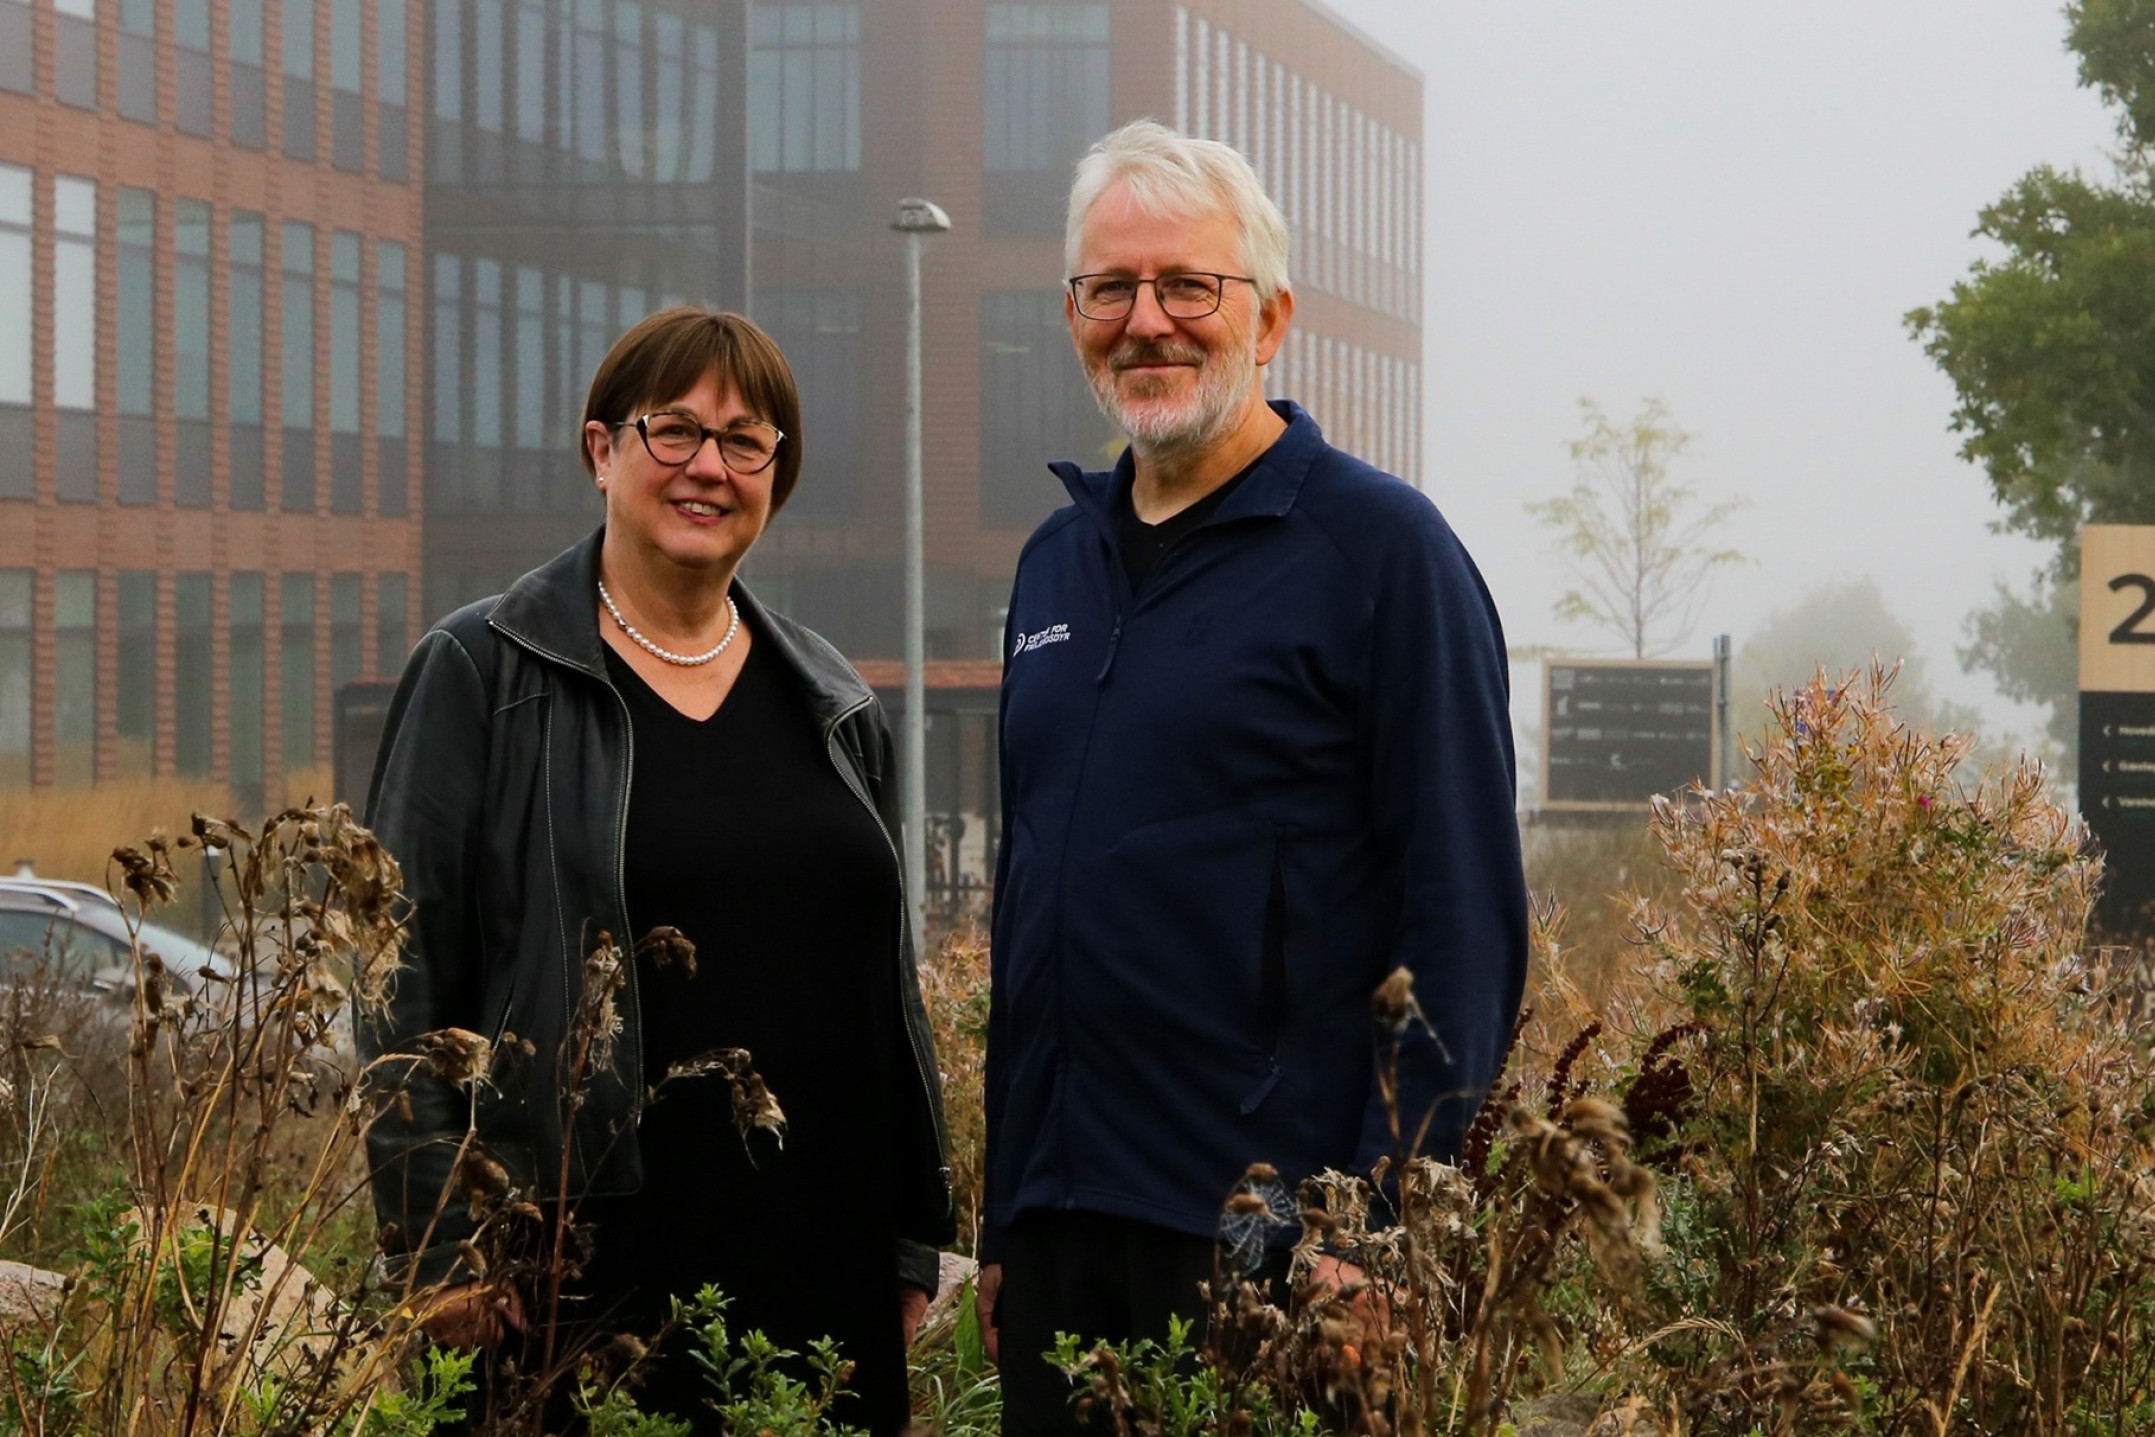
(2117, 718)
(1616, 732)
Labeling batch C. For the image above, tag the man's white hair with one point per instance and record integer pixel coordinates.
(1172, 176)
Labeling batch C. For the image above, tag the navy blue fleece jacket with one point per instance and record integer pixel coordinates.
(1232, 804)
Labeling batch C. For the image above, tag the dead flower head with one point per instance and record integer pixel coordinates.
(457, 1055)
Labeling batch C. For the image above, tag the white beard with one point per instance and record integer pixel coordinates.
(1212, 410)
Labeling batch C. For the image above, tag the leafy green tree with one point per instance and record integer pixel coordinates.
(1638, 539)
(2051, 350)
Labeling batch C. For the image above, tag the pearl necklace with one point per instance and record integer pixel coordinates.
(685, 660)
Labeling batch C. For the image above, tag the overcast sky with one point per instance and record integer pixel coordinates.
(1729, 206)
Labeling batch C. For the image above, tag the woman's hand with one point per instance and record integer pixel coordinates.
(474, 1314)
(912, 1307)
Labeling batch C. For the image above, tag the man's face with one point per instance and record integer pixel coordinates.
(1170, 383)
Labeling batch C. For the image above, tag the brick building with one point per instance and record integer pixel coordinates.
(250, 247)
(209, 222)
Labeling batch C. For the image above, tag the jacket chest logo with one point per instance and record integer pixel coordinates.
(1053, 634)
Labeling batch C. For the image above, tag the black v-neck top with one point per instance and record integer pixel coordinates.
(743, 835)
(1143, 545)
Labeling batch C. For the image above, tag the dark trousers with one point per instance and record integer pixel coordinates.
(1107, 1279)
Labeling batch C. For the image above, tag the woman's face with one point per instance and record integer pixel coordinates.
(699, 514)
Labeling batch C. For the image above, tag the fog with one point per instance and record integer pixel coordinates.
(1730, 207)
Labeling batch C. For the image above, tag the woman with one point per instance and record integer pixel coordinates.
(625, 741)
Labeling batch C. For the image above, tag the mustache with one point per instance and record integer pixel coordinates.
(1146, 351)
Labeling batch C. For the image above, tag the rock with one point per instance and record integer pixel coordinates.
(29, 1292)
(956, 1272)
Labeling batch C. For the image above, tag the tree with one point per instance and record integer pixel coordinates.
(2051, 351)
(1838, 628)
(1638, 539)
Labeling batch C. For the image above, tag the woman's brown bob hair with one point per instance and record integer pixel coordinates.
(670, 353)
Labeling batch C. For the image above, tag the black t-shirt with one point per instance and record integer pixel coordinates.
(1144, 544)
(742, 834)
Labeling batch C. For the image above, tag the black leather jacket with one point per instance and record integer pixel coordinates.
(502, 788)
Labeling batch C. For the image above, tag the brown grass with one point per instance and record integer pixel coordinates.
(68, 832)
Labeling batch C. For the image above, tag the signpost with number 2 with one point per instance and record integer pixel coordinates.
(2117, 717)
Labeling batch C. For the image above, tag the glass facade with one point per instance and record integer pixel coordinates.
(296, 20)
(193, 443)
(18, 474)
(74, 677)
(583, 166)
(1034, 407)
(243, 670)
(1044, 98)
(74, 336)
(136, 701)
(347, 462)
(295, 666)
(193, 691)
(135, 356)
(296, 368)
(244, 358)
(18, 684)
(804, 88)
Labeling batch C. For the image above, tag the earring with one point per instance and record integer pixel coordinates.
(602, 481)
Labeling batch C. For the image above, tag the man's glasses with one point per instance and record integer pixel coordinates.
(1182, 295)
(746, 446)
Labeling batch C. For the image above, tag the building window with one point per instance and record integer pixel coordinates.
(243, 359)
(804, 82)
(191, 675)
(243, 712)
(1034, 407)
(16, 682)
(820, 332)
(138, 60)
(346, 465)
(392, 140)
(628, 84)
(192, 77)
(18, 48)
(136, 700)
(482, 489)
(75, 30)
(296, 493)
(136, 351)
(191, 353)
(347, 110)
(295, 658)
(74, 678)
(298, 66)
(589, 90)
(1045, 98)
(346, 632)
(392, 642)
(446, 350)
(391, 466)
(250, 103)
(74, 335)
(488, 57)
(18, 475)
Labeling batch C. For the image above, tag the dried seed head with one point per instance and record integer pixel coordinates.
(457, 1055)
(1838, 1330)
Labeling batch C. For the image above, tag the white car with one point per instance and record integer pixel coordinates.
(74, 935)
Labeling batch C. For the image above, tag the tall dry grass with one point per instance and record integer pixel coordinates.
(68, 832)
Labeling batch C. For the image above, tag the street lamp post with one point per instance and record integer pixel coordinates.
(916, 220)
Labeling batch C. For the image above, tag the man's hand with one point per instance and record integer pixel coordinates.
(912, 1307)
(1333, 1278)
(985, 1287)
(475, 1314)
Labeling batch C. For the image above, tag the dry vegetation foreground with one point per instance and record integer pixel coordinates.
(1830, 1120)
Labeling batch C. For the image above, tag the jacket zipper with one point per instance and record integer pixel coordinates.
(912, 1039)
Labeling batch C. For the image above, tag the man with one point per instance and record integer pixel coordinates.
(1256, 756)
